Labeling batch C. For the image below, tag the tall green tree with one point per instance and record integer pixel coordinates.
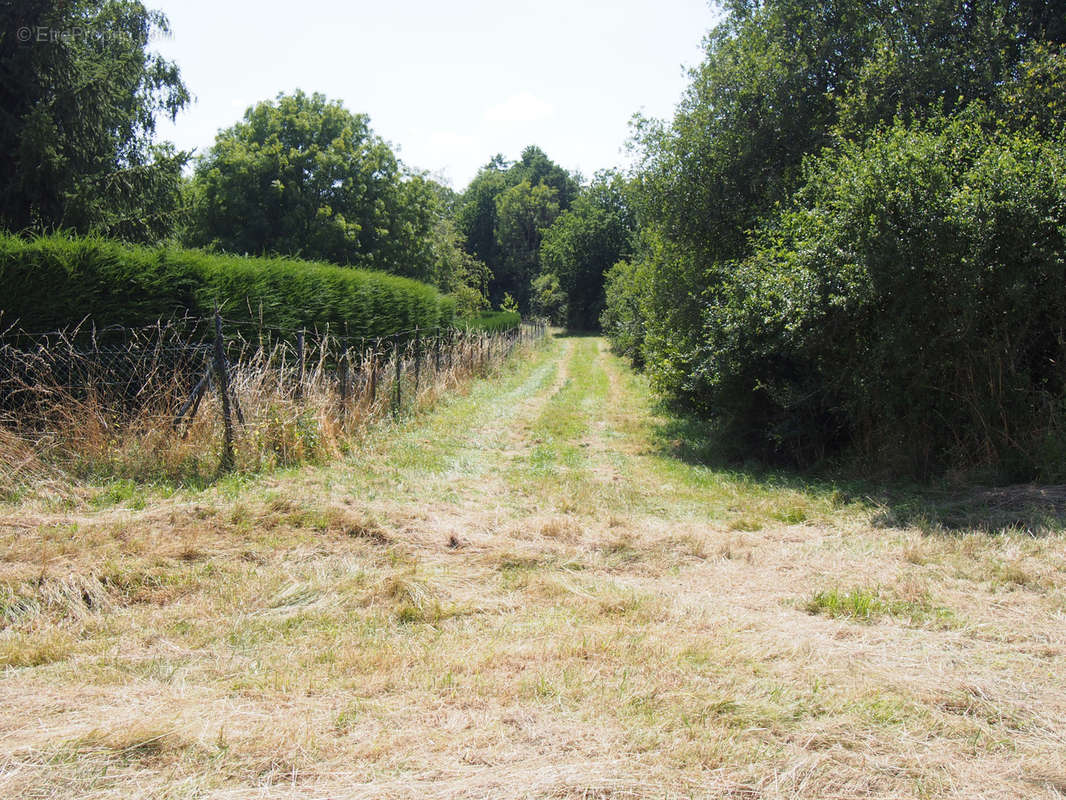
(476, 217)
(523, 213)
(535, 166)
(79, 96)
(843, 225)
(304, 176)
(782, 80)
(507, 245)
(584, 242)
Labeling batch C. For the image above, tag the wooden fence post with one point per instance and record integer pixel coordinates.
(343, 370)
(374, 371)
(399, 371)
(418, 361)
(223, 394)
(299, 362)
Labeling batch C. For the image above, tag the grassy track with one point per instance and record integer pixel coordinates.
(529, 591)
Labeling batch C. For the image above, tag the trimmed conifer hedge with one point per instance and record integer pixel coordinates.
(55, 281)
(492, 321)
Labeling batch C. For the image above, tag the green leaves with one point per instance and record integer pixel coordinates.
(303, 176)
(523, 213)
(917, 286)
(503, 213)
(582, 244)
(54, 281)
(852, 234)
(78, 117)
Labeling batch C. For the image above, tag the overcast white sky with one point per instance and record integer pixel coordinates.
(447, 83)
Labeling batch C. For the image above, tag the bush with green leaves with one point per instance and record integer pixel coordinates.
(581, 245)
(783, 80)
(910, 306)
(622, 319)
(549, 299)
(54, 281)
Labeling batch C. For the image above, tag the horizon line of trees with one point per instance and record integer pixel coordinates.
(298, 175)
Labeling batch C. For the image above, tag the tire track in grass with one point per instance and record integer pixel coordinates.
(555, 469)
(452, 455)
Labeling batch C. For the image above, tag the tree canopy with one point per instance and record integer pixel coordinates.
(77, 119)
(584, 242)
(304, 176)
(775, 200)
(503, 213)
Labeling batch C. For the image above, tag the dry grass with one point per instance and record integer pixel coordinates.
(290, 418)
(517, 594)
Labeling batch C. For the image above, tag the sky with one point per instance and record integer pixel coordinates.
(448, 83)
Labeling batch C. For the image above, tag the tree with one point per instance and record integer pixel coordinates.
(459, 273)
(535, 166)
(549, 299)
(495, 240)
(781, 81)
(476, 217)
(304, 176)
(908, 304)
(584, 242)
(622, 318)
(79, 94)
(523, 212)
(852, 234)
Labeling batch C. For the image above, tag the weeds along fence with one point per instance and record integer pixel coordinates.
(186, 397)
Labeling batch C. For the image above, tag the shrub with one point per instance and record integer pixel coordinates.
(549, 300)
(910, 306)
(622, 320)
(54, 281)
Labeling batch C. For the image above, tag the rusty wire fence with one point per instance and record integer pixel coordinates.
(214, 389)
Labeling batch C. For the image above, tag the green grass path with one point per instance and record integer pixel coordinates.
(527, 590)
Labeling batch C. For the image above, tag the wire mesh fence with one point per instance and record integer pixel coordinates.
(227, 384)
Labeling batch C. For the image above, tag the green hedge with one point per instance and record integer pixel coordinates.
(54, 281)
(492, 321)
(909, 307)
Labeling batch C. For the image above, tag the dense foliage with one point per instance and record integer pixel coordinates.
(303, 176)
(492, 321)
(852, 233)
(623, 316)
(79, 92)
(504, 213)
(912, 302)
(582, 244)
(53, 281)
